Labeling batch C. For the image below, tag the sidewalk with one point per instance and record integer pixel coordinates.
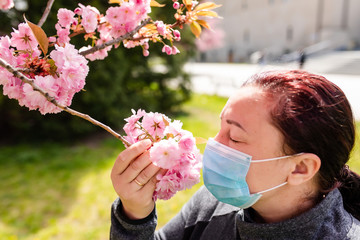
(342, 68)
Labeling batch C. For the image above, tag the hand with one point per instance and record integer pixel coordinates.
(134, 180)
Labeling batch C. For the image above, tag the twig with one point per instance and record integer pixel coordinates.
(46, 13)
(128, 36)
(25, 79)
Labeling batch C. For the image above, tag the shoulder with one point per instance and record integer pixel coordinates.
(203, 206)
(354, 232)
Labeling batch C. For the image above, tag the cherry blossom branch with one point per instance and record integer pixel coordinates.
(25, 79)
(46, 13)
(127, 36)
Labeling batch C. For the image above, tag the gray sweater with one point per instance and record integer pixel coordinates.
(203, 217)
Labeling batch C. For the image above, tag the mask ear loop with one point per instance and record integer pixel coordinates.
(274, 159)
(267, 190)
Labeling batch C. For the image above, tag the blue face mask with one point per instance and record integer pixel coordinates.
(224, 173)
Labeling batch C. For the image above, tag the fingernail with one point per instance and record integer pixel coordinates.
(147, 143)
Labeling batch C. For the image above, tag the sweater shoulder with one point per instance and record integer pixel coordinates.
(203, 206)
(354, 232)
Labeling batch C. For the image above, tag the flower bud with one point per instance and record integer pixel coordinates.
(146, 53)
(176, 5)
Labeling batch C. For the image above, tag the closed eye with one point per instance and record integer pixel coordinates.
(235, 141)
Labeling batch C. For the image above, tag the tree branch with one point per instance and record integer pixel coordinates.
(25, 79)
(127, 36)
(46, 12)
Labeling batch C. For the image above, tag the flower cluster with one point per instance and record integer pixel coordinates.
(101, 28)
(60, 77)
(173, 149)
(6, 4)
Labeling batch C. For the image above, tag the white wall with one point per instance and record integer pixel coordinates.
(253, 25)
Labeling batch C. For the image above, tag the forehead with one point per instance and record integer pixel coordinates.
(250, 107)
(248, 100)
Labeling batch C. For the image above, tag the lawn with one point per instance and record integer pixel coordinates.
(53, 191)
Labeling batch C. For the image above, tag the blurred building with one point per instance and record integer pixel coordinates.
(268, 29)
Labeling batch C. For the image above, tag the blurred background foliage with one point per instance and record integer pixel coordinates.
(124, 80)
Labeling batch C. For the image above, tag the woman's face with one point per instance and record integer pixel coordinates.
(246, 126)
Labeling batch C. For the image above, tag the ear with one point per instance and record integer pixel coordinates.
(304, 168)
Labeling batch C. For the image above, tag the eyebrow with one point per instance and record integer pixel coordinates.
(232, 122)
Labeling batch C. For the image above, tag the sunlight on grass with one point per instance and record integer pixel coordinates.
(55, 191)
(354, 161)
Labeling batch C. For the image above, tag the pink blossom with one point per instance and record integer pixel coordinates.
(167, 49)
(13, 88)
(23, 57)
(63, 35)
(174, 129)
(177, 35)
(23, 38)
(5, 75)
(89, 20)
(117, 31)
(191, 177)
(52, 39)
(142, 7)
(73, 78)
(34, 100)
(98, 55)
(187, 142)
(210, 39)
(176, 5)
(173, 149)
(66, 17)
(154, 124)
(72, 67)
(130, 25)
(146, 53)
(168, 185)
(165, 153)
(146, 45)
(78, 10)
(6, 4)
(113, 16)
(104, 33)
(67, 56)
(161, 27)
(174, 50)
(131, 128)
(6, 52)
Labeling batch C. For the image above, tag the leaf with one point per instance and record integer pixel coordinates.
(203, 23)
(195, 29)
(165, 121)
(115, 1)
(40, 36)
(207, 6)
(154, 3)
(53, 67)
(207, 13)
(200, 140)
(187, 2)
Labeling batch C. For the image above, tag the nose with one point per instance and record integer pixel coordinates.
(220, 138)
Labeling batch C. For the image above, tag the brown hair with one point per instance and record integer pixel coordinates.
(315, 116)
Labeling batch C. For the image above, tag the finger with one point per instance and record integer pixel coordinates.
(126, 156)
(136, 167)
(149, 188)
(145, 175)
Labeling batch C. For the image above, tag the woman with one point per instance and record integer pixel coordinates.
(276, 169)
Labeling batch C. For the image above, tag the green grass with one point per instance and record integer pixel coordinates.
(53, 191)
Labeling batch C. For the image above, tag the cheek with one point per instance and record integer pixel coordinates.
(259, 176)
